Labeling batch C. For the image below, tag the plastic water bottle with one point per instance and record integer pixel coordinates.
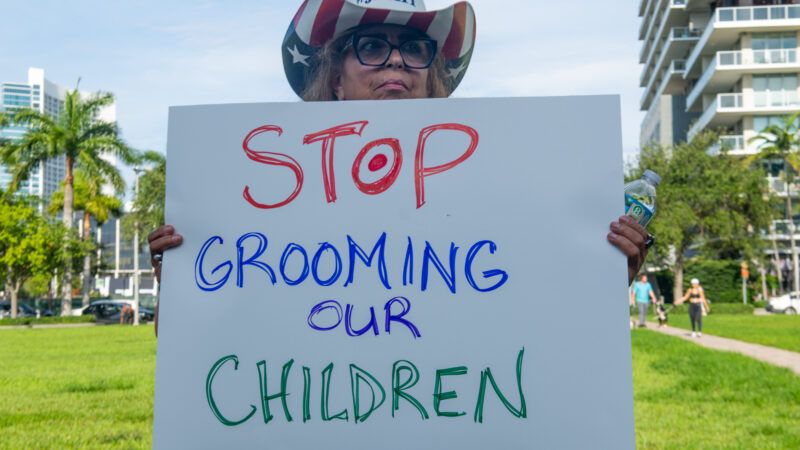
(640, 198)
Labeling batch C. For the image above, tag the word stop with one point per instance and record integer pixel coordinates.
(328, 139)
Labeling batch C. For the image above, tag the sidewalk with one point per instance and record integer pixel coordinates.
(771, 355)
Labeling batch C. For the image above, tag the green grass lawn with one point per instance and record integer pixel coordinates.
(77, 387)
(779, 331)
(689, 397)
(93, 388)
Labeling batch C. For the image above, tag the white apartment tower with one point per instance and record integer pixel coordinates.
(47, 97)
(727, 65)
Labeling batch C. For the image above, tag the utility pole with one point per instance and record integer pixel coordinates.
(745, 272)
(136, 254)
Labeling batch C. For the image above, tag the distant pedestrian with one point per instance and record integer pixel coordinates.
(697, 301)
(642, 294)
(126, 315)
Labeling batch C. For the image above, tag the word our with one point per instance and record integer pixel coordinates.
(346, 315)
(404, 376)
(328, 139)
(294, 254)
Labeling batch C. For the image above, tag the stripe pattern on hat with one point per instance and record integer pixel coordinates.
(319, 21)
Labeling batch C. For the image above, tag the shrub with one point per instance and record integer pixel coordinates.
(720, 279)
(717, 308)
(30, 321)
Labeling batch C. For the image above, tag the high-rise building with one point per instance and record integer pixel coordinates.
(46, 97)
(728, 65)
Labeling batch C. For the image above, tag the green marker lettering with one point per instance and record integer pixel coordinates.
(357, 375)
(439, 396)
(212, 404)
(521, 412)
(399, 386)
(306, 394)
(326, 386)
(265, 397)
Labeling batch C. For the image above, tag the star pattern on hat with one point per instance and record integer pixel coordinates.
(456, 71)
(297, 57)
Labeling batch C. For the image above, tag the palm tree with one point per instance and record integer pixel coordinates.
(147, 213)
(89, 183)
(75, 133)
(782, 141)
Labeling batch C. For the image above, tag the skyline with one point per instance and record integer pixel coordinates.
(152, 56)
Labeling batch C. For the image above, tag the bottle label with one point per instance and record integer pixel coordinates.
(637, 210)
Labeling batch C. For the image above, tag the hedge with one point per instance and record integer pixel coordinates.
(716, 308)
(46, 320)
(720, 280)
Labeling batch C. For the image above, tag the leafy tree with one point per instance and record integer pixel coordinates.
(148, 203)
(90, 180)
(29, 245)
(782, 142)
(711, 203)
(75, 134)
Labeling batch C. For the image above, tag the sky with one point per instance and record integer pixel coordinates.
(155, 54)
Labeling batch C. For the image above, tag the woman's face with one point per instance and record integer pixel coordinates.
(392, 80)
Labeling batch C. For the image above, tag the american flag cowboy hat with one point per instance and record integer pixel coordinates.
(320, 21)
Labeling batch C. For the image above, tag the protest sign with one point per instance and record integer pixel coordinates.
(396, 274)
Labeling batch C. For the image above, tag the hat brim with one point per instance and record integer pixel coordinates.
(319, 21)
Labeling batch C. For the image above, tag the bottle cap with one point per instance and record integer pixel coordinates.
(652, 177)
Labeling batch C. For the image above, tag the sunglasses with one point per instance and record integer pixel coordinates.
(417, 53)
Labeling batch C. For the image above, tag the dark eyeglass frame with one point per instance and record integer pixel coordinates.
(357, 37)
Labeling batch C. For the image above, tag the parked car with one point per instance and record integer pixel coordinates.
(787, 303)
(109, 311)
(23, 310)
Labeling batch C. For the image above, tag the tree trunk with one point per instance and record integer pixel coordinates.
(776, 260)
(795, 272)
(66, 289)
(87, 260)
(677, 283)
(14, 291)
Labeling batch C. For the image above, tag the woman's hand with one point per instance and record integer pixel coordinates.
(628, 236)
(164, 238)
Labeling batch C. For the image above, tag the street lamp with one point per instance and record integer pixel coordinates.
(137, 171)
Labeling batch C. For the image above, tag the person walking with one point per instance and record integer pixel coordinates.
(642, 295)
(697, 300)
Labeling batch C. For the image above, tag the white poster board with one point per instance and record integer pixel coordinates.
(472, 230)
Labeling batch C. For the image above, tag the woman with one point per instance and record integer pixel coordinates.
(697, 300)
(337, 50)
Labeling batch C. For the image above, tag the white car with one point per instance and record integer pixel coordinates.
(787, 303)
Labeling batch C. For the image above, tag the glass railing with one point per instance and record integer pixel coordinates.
(678, 65)
(732, 142)
(685, 33)
(751, 13)
(784, 227)
(734, 100)
(729, 58)
(775, 56)
(778, 186)
(764, 99)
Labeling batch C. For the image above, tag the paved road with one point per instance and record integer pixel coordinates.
(772, 355)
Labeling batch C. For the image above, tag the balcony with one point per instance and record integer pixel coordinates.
(727, 68)
(674, 14)
(778, 187)
(671, 84)
(677, 44)
(726, 25)
(727, 109)
(781, 230)
(733, 145)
